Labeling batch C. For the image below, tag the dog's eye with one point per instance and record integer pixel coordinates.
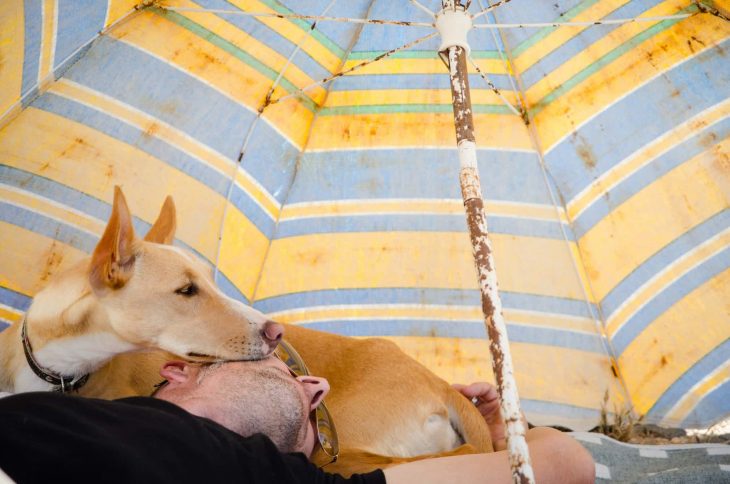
(187, 290)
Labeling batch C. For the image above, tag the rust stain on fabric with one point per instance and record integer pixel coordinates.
(53, 261)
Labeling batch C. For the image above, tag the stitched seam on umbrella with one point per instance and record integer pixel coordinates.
(606, 60)
(232, 49)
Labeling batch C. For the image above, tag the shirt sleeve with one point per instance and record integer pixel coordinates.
(296, 468)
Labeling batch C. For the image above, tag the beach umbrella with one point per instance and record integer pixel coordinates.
(310, 148)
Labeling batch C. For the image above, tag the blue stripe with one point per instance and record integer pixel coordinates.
(517, 12)
(367, 82)
(559, 409)
(582, 41)
(3, 326)
(275, 41)
(415, 173)
(664, 257)
(48, 227)
(459, 329)
(386, 37)
(229, 289)
(424, 296)
(78, 22)
(14, 299)
(669, 297)
(111, 67)
(715, 406)
(196, 169)
(639, 118)
(339, 33)
(419, 223)
(33, 27)
(68, 234)
(703, 367)
(648, 174)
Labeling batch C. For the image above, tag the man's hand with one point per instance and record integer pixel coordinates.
(487, 402)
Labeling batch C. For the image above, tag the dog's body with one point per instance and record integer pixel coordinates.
(137, 295)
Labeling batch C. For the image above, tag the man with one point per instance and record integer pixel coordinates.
(192, 431)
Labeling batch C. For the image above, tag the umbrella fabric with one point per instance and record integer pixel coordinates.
(608, 213)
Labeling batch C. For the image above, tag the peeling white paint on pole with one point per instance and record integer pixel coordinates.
(519, 456)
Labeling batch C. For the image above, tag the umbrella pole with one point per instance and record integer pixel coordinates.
(482, 251)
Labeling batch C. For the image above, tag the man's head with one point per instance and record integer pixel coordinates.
(249, 397)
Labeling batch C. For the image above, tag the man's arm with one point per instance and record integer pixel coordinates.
(555, 457)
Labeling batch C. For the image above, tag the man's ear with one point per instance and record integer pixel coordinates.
(112, 263)
(176, 371)
(163, 230)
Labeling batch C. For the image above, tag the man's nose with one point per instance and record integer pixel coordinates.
(272, 333)
(315, 388)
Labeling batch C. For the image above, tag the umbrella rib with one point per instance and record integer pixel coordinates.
(424, 8)
(316, 18)
(300, 44)
(586, 23)
(500, 46)
(485, 11)
(354, 68)
(494, 88)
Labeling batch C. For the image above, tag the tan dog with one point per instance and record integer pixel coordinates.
(137, 294)
(131, 295)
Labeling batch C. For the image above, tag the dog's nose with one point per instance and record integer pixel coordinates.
(272, 333)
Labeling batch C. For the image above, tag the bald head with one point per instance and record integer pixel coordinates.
(248, 398)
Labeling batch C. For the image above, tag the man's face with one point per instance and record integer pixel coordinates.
(249, 397)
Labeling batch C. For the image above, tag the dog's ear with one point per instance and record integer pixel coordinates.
(163, 230)
(113, 260)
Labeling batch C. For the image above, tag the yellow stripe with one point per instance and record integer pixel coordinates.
(12, 40)
(676, 341)
(562, 35)
(152, 126)
(690, 400)
(91, 162)
(10, 316)
(43, 206)
(442, 207)
(408, 259)
(258, 49)
(598, 49)
(242, 253)
(579, 266)
(654, 217)
(645, 155)
(48, 42)
(670, 274)
(30, 260)
(411, 96)
(583, 376)
(396, 65)
(293, 33)
(117, 9)
(408, 129)
(217, 68)
(666, 49)
(460, 313)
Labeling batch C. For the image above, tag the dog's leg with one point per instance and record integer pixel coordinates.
(354, 461)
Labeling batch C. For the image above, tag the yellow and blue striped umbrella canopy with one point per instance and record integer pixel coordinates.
(339, 208)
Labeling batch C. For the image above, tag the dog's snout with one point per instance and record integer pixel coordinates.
(272, 333)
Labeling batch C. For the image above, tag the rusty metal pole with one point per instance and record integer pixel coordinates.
(482, 251)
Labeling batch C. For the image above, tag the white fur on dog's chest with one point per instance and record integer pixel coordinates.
(71, 356)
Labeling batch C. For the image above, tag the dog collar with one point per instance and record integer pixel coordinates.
(63, 384)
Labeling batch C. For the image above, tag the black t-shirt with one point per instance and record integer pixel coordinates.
(47, 437)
